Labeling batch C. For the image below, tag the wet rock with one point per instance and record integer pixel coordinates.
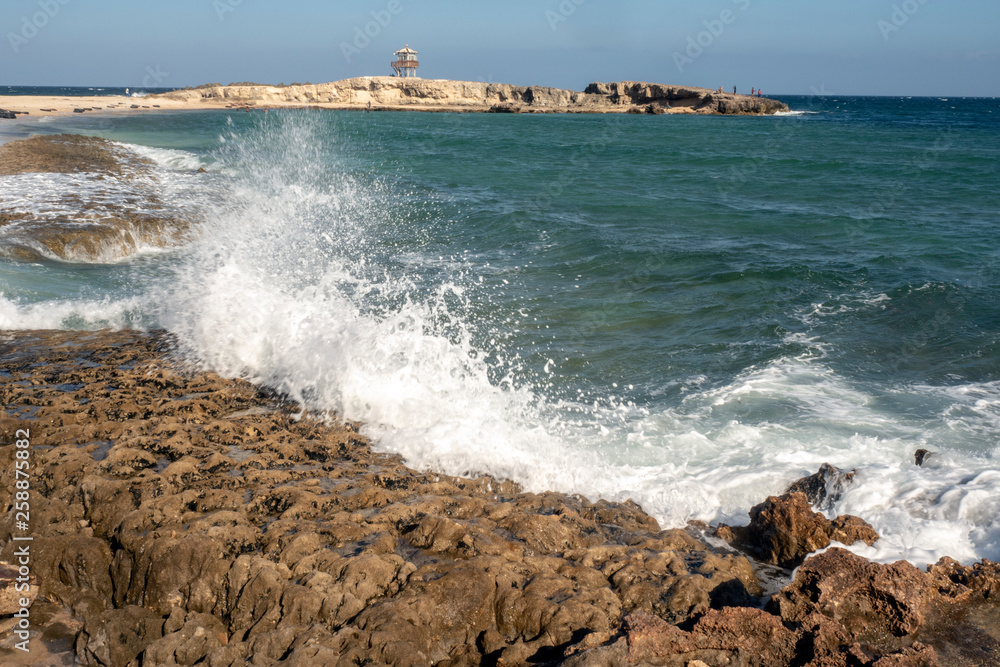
(921, 455)
(198, 637)
(848, 529)
(868, 599)
(888, 607)
(117, 636)
(101, 228)
(784, 529)
(825, 487)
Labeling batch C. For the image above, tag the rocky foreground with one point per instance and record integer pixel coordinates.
(180, 518)
(386, 92)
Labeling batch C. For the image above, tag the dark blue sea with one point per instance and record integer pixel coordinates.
(688, 311)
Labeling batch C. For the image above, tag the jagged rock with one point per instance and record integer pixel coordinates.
(921, 455)
(195, 640)
(258, 539)
(825, 487)
(10, 115)
(784, 529)
(886, 607)
(117, 636)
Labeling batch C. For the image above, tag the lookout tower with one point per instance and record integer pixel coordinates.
(405, 63)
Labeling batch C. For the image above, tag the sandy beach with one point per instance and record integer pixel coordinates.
(35, 106)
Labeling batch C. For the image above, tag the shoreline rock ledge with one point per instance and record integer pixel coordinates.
(181, 518)
(391, 93)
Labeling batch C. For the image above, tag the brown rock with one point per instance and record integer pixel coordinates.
(17, 592)
(848, 529)
(783, 530)
(870, 600)
(117, 636)
(951, 608)
(218, 529)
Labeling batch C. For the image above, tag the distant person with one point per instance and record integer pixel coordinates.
(127, 94)
(758, 92)
(734, 90)
(752, 89)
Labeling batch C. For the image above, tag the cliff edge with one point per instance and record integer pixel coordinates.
(440, 95)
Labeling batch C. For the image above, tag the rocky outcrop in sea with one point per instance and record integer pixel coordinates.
(80, 199)
(434, 94)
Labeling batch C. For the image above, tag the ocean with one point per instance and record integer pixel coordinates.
(691, 312)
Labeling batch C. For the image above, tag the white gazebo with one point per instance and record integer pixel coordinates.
(406, 63)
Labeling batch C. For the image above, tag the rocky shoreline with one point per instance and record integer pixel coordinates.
(180, 518)
(104, 208)
(390, 93)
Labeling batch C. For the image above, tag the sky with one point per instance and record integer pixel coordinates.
(792, 47)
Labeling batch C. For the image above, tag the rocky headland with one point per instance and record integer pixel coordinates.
(181, 518)
(386, 92)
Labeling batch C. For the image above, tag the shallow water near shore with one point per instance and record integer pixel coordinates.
(691, 312)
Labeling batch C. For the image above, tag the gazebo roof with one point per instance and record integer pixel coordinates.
(407, 50)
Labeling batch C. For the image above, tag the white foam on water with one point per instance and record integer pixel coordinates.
(172, 159)
(171, 190)
(304, 280)
(795, 113)
(72, 314)
(51, 195)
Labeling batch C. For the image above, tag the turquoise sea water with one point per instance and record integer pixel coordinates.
(691, 312)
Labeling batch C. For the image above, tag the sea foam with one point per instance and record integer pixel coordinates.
(310, 278)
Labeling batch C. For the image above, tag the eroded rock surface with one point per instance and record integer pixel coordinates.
(184, 519)
(188, 519)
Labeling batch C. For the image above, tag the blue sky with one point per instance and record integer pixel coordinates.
(889, 47)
